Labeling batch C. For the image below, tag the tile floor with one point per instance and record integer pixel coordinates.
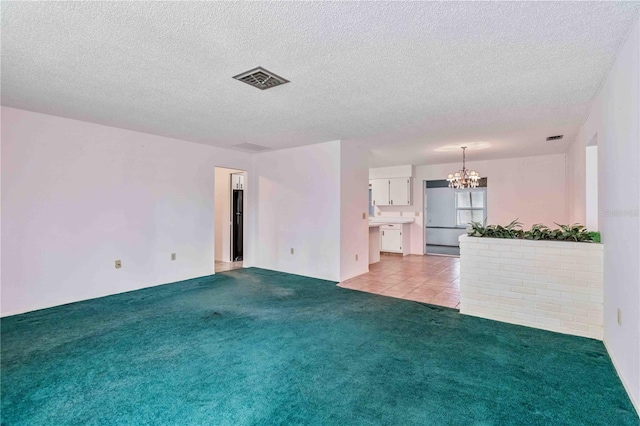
(427, 279)
(227, 266)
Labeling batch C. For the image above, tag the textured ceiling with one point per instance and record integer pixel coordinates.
(405, 79)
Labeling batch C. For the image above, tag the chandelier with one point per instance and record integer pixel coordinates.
(463, 178)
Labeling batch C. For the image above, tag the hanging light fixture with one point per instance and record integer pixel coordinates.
(463, 178)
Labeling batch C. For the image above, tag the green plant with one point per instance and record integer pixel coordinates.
(512, 230)
(575, 232)
(476, 229)
(538, 232)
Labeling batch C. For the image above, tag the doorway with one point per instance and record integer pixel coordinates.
(448, 212)
(229, 220)
(237, 218)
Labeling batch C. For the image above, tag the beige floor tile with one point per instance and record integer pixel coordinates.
(392, 279)
(450, 292)
(418, 298)
(446, 299)
(376, 287)
(426, 279)
(418, 280)
(446, 303)
(438, 287)
(393, 293)
(403, 286)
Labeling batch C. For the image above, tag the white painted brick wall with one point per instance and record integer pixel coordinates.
(552, 285)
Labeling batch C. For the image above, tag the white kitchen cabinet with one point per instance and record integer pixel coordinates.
(379, 192)
(391, 240)
(237, 181)
(400, 191)
(394, 238)
(391, 192)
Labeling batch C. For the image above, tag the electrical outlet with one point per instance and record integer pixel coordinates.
(173, 256)
(364, 215)
(619, 316)
(118, 264)
(417, 214)
(291, 250)
(356, 257)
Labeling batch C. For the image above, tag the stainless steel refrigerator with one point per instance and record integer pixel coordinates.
(237, 223)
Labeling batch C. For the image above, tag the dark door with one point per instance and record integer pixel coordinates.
(236, 232)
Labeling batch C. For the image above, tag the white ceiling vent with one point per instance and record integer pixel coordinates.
(250, 147)
(261, 78)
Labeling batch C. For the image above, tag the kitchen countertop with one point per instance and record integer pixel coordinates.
(385, 220)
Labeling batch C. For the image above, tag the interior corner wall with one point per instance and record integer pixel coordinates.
(530, 189)
(297, 193)
(354, 210)
(76, 196)
(615, 118)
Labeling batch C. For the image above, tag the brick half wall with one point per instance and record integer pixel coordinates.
(552, 285)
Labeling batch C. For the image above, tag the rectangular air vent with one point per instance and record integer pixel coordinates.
(261, 78)
(555, 138)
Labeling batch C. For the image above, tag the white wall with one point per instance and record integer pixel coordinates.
(576, 178)
(311, 199)
(591, 183)
(354, 210)
(298, 199)
(222, 212)
(531, 189)
(1, 156)
(615, 118)
(76, 196)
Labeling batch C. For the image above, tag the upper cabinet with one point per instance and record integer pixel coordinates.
(380, 192)
(391, 192)
(400, 191)
(391, 186)
(237, 181)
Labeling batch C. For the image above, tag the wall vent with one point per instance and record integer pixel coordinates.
(261, 78)
(555, 138)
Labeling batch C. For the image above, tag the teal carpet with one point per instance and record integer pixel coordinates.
(259, 347)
